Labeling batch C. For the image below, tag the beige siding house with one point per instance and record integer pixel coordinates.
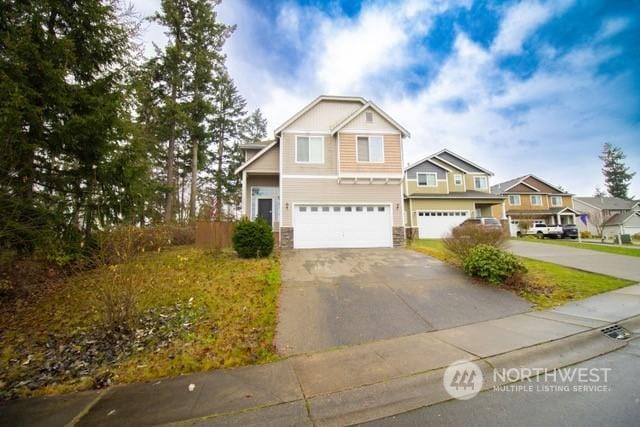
(331, 178)
(530, 198)
(444, 189)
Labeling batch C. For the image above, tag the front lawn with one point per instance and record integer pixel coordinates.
(547, 285)
(195, 311)
(609, 248)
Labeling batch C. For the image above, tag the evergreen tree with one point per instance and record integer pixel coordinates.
(63, 117)
(225, 126)
(254, 128)
(204, 44)
(617, 176)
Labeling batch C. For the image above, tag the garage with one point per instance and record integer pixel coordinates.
(342, 226)
(436, 224)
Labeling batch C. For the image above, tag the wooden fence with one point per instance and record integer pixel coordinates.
(213, 235)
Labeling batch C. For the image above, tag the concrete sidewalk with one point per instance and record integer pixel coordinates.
(348, 385)
(623, 266)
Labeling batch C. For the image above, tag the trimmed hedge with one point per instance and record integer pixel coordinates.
(253, 239)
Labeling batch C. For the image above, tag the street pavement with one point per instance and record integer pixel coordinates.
(549, 402)
(623, 266)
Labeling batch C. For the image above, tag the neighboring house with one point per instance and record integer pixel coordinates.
(530, 198)
(331, 178)
(444, 189)
(609, 212)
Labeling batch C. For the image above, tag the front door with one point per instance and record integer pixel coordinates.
(265, 209)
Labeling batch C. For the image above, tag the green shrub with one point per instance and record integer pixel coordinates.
(463, 238)
(585, 234)
(492, 264)
(253, 239)
(636, 236)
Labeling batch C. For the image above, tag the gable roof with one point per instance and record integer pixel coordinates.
(370, 104)
(431, 157)
(507, 185)
(612, 203)
(621, 218)
(256, 156)
(439, 154)
(316, 102)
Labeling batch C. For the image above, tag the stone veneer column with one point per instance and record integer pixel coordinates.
(398, 237)
(286, 237)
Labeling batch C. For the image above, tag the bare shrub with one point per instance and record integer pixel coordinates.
(463, 238)
(119, 244)
(117, 302)
(524, 225)
(181, 234)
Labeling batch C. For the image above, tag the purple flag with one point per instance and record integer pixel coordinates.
(583, 218)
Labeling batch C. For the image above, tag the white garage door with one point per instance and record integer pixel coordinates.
(342, 226)
(436, 224)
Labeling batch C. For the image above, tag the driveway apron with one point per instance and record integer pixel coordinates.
(339, 297)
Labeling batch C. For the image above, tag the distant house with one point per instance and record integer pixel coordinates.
(530, 198)
(443, 190)
(608, 215)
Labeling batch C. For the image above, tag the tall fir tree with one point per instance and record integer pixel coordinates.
(64, 118)
(254, 128)
(225, 125)
(206, 37)
(617, 175)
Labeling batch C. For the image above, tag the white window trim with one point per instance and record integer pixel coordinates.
(309, 162)
(455, 179)
(369, 139)
(518, 198)
(427, 184)
(552, 198)
(486, 180)
(531, 197)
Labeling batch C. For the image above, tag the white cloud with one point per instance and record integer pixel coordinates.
(520, 21)
(611, 27)
(350, 53)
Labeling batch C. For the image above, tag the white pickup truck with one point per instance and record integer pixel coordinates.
(541, 230)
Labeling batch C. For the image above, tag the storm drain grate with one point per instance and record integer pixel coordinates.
(617, 332)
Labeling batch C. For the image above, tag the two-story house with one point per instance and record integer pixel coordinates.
(530, 198)
(608, 215)
(444, 189)
(331, 178)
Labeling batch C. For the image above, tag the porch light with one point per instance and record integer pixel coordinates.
(286, 205)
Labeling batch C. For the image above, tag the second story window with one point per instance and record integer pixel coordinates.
(457, 179)
(514, 199)
(536, 200)
(310, 149)
(556, 200)
(480, 183)
(426, 179)
(370, 149)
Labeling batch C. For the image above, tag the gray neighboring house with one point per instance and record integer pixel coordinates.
(611, 214)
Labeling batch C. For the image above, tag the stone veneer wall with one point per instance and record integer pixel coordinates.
(286, 237)
(398, 237)
(411, 233)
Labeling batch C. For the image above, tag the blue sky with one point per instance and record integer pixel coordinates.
(519, 87)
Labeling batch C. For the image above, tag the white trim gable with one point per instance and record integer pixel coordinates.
(370, 104)
(313, 104)
(256, 156)
(459, 157)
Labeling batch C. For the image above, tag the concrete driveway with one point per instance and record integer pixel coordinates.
(623, 266)
(339, 297)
